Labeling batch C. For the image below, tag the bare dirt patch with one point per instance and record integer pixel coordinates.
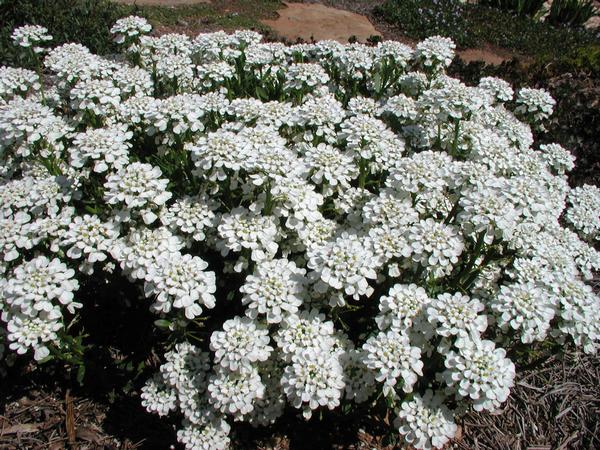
(308, 21)
(487, 55)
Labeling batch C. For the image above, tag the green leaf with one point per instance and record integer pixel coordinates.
(163, 324)
(261, 93)
(80, 374)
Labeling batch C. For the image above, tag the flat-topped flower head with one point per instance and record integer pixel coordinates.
(31, 36)
(130, 27)
(481, 372)
(345, 264)
(275, 289)
(180, 282)
(393, 360)
(242, 344)
(313, 379)
(40, 285)
(457, 315)
(425, 422)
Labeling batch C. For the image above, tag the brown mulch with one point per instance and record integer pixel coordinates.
(553, 406)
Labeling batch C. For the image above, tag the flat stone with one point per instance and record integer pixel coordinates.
(319, 22)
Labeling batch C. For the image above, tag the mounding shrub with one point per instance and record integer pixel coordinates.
(315, 226)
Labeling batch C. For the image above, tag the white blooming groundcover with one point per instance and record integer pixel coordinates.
(353, 224)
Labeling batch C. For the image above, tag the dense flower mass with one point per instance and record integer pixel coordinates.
(313, 226)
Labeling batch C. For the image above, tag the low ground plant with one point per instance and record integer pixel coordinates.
(473, 25)
(314, 227)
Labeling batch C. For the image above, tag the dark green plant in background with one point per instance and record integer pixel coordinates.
(84, 21)
(473, 25)
(528, 8)
(572, 13)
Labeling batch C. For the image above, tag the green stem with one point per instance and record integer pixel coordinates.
(456, 135)
(363, 166)
(268, 201)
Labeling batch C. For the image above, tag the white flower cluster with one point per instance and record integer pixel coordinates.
(34, 293)
(130, 27)
(536, 105)
(31, 36)
(583, 213)
(17, 82)
(319, 247)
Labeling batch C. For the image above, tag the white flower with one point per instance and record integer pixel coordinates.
(27, 332)
(15, 81)
(425, 422)
(390, 208)
(180, 281)
(185, 369)
(234, 392)
(452, 100)
(212, 436)
(345, 264)
(557, 157)
(191, 215)
(457, 315)
(400, 106)
(242, 229)
(90, 238)
(584, 212)
(328, 165)
(31, 36)
(487, 209)
(41, 285)
(107, 147)
(142, 248)
(436, 246)
(369, 138)
(525, 307)
(435, 52)
(157, 397)
(403, 308)
(500, 89)
(242, 344)
(534, 104)
(304, 76)
(14, 235)
(129, 27)
(480, 372)
(392, 358)
(305, 331)
(580, 315)
(96, 97)
(313, 379)
(275, 288)
(137, 185)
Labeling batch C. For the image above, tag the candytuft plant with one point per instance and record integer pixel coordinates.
(313, 226)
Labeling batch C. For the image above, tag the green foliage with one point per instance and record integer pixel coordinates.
(573, 13)
(84, 21)
(420, 19)
(473, 25)
(521, 7)
(228, 15)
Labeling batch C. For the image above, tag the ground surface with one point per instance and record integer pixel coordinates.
(319, 22)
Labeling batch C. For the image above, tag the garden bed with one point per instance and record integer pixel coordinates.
(88, 397)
